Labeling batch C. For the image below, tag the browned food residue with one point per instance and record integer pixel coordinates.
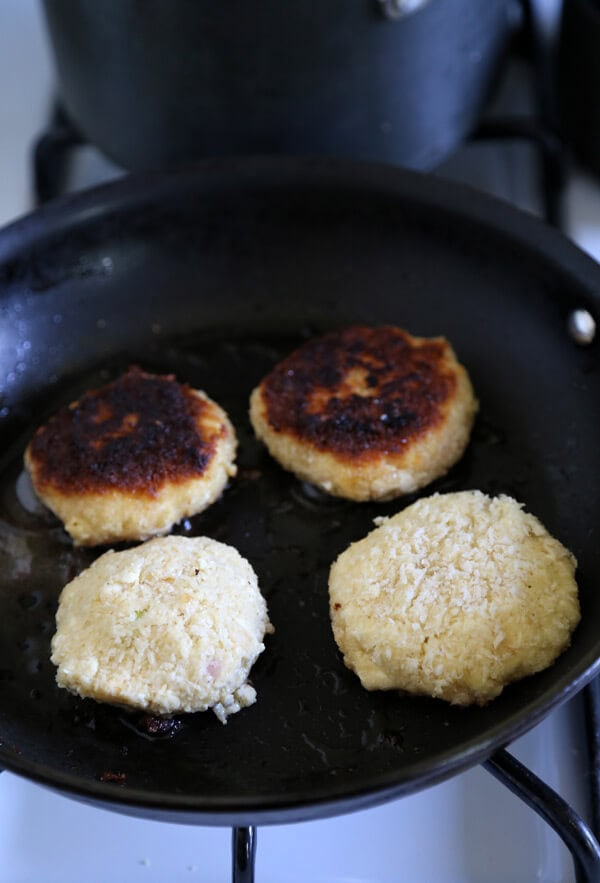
(109, 776)
(152, 725)
(360, 391)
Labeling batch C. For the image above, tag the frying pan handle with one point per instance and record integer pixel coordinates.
(569, 826)
(243, 846)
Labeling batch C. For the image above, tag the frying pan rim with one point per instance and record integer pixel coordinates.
(277, 808)
(134, 189)
(502, 219)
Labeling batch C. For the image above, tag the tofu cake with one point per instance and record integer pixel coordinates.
(173, 625)
(454, 597)
(366, 413)
(131, 459)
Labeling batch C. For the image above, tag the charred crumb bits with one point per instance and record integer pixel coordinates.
(151, 725)
(115, 777)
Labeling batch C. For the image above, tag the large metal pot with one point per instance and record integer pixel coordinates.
(168, 81)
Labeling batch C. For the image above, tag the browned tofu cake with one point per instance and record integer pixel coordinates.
(366, 413)
(129, 460)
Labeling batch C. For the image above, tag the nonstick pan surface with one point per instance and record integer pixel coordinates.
(213, 273)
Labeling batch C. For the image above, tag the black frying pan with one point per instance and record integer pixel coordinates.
(214, 273)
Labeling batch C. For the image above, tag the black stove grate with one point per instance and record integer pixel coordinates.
(575, 833)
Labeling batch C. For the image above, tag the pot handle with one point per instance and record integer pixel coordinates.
(395, 9)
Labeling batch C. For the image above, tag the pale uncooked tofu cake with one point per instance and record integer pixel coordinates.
(172, 625)
(454, 597)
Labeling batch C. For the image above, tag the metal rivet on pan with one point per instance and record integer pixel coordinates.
(581, 326)
(394, 9)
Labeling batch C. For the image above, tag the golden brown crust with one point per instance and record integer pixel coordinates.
(366, 413)
(129, 460)
(360, 391)
(133, 435)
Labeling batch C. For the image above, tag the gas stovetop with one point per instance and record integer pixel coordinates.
(470, 828)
